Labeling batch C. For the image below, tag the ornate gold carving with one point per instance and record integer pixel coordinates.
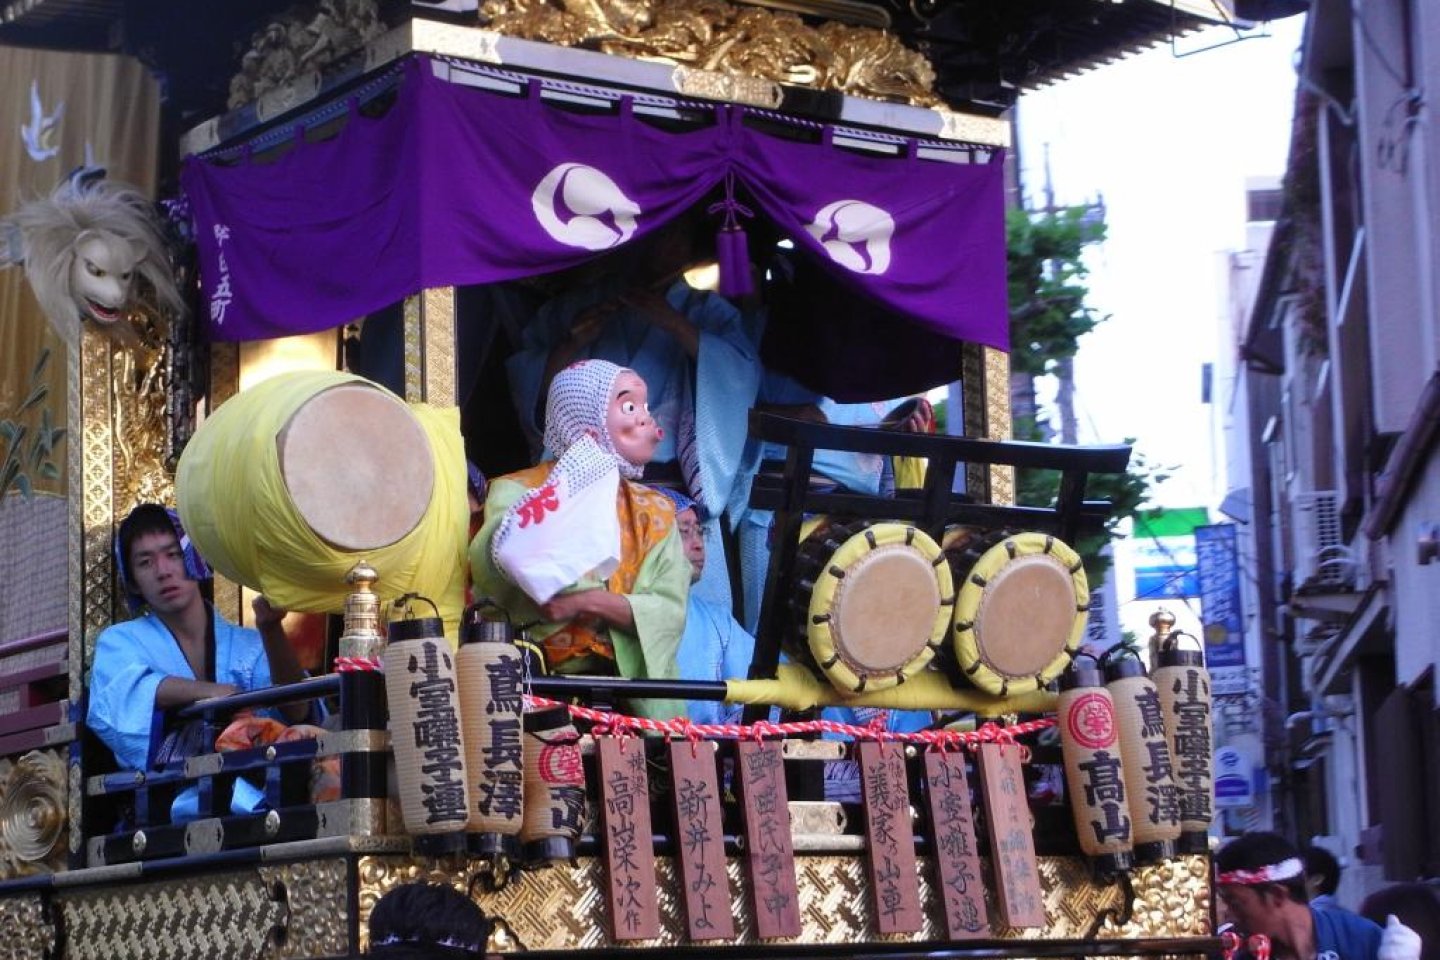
(140, 429)
(1173, 896)
(219, 917)
(561, 908)
(719, 36)
(34, 808)
(317, 923)
(28, 930)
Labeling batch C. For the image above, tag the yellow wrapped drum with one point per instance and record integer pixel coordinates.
(873, 605)
(288, 484)
(1020, 610)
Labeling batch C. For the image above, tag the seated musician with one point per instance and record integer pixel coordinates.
(714, 645)
(177, 650)
(577, 545)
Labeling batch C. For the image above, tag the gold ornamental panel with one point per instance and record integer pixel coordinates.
(96, 487)
(219, 917)
(317, 923)
(29, 933)
(429, 319)
(562, 907)
(998, 422)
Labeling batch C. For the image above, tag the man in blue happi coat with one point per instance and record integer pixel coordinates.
(176, 650)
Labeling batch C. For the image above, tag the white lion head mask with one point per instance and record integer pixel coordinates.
(84, 248)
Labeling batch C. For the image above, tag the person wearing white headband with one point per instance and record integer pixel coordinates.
(577, 546)
(1260, 879)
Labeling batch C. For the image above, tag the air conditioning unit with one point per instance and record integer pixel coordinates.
(1321, 557)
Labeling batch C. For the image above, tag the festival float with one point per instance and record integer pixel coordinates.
(372, 183)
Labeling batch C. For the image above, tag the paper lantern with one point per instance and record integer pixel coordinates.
(554, 786)
(1094, 769)
(491, 676)
(425, 734)
(1184, 687)
(1145, 752)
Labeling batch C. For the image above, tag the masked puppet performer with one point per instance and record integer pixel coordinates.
(92, 250)
(578, 545)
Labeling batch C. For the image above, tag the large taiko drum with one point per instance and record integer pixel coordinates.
(291, 482)
(873, 603)
(1020, 610)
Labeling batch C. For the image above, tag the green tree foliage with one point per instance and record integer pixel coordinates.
(1048, 315)
(1045, 271)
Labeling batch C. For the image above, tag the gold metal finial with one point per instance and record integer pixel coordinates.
(362, 614)
(1163, 622)
(361, 576)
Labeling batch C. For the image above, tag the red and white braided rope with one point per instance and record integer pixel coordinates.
(358, 664)
(682, 727)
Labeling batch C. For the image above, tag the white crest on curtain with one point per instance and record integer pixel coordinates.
(580, 206)
(855, 234)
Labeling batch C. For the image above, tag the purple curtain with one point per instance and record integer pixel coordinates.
(457, 185)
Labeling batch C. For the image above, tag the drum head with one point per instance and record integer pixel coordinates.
(880, 607)
(358, 467)
(1020, 614)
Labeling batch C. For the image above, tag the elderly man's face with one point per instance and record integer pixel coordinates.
(692, 536)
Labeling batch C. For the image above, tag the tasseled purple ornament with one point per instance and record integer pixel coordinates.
(732, 251)
(732, 248)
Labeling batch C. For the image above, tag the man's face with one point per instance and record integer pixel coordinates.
(692, 535)
(157, 569)
(632, 432)
(1253, 909)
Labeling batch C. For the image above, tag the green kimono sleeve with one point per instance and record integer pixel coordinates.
(658, 605)
(657, 602)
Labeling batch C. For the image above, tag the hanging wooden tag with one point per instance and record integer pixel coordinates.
(769, 856)
(700, 842)
(1012, 845)
(894, 882)
(952, 837)
(629, 847)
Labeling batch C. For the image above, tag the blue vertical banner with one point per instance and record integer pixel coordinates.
(1217, 561)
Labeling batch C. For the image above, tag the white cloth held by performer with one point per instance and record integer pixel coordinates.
(565, 530)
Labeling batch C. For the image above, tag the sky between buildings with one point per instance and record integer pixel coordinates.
(1168, 142)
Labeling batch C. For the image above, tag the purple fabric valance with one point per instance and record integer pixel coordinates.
(457, 185)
